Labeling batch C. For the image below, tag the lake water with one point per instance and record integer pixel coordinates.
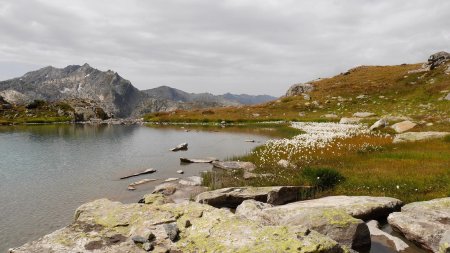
(47, 171)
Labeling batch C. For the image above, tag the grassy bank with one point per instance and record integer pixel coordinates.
(360, 165)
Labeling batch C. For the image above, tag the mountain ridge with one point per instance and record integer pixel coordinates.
(105, 89)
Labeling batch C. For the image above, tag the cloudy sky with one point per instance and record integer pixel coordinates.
(241, 46)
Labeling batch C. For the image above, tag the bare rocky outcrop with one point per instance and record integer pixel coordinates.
(299, 89)
(426, 223)
(437, 59)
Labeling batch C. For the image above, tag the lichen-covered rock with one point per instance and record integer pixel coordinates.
(437, 59)
(418, 136)
(425, 223)
(106, 226)
(360, 207)
(234, 196)
(332, 222)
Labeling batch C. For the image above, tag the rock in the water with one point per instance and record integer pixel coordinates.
(299, 89)
(210, 230)
(381, 123)
(147, 171)
(234, 196)
(234, 165)
(363, 114)
(188, 160)
(419, 136)
(349, 120)
(143, 181)
(425, 223)
(182, 146)
(180, 171)
(170, 179)
(191, 181)
(333, 222)
(403, 126)
(376, 231)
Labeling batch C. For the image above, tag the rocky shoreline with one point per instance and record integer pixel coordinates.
(182, 216)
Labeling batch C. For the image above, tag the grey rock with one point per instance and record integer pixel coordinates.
(298, 89)
(374, 229)
(419, 136)
(437, 59)
(425, 223)
(448, 95)
(172, 231)
(234, 196)
(403, 126)
(350, 120)
(191, 181)
(363, 114)
(147, 246)
(147, 171)
(182, 146)
(332, 222)
(381, 123)
(234, 165)
(139, 239)
(190, 160)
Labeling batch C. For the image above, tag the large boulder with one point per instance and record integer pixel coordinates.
(333, 222)
(425, 223)
(360, 207)
(419, 136)
(234, 196)
(403, 126)
(299, 89)
(105, 226)
(437, 59)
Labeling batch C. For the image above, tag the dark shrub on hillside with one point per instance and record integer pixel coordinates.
(36, 104)
(324, 178)
(101, 114)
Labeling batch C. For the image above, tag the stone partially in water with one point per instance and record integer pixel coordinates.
(425, 223)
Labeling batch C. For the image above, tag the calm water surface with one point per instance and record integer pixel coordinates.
(47, 171)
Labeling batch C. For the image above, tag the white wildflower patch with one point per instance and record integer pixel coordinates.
(318, 137)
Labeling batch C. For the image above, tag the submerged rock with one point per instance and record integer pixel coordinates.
(419, 136)
(234, 196)
(210, 230)
(426, 223)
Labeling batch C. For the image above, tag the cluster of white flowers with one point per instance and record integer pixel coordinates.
(317, 136)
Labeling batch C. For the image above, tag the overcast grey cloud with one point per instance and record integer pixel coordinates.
(241, 46)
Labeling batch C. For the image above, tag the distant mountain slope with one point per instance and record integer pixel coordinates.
(420, 92)
(84, 86)
(227, 99)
